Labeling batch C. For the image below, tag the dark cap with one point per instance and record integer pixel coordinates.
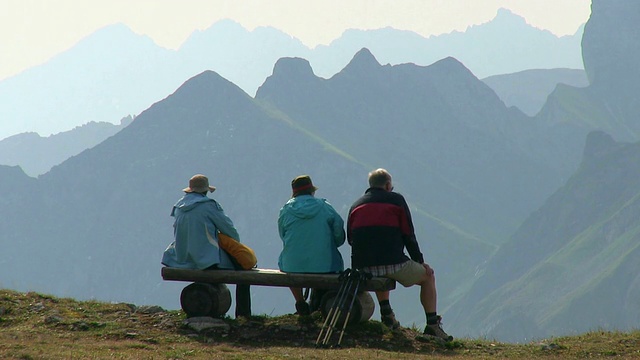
(301, 184)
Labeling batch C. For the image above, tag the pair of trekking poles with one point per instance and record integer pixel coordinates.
(350, 281)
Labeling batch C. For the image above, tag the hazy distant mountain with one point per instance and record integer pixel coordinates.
(528, 90)
(108, 75)
(504, 45)
(244, 57)
(36, 154)
(573, 265)
(115, 72)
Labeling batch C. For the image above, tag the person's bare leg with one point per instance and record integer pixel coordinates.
(428, 294)
(382, 295)
(386, 313)
(429, 299)
(297, 294)
(302, 308)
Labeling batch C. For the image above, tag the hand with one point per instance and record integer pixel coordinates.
(430, 271)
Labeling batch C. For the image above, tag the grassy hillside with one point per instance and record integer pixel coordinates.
(37, 326)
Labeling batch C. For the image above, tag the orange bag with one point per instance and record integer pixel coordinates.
(244, 255)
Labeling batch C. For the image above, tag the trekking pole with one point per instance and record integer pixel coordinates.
(360, 277)
(341, 289)
(340, 302)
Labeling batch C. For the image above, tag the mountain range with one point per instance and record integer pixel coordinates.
(572, 265)
(36, 155)
(115, 73)
(529, 222)
(527, 90)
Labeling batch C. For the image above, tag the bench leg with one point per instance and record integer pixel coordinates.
(243, 301)
(202, 299)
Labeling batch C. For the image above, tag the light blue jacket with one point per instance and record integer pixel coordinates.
(198, 219)
(311, 231)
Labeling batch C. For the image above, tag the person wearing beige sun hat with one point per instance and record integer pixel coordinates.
(198, 221)
(199, 184)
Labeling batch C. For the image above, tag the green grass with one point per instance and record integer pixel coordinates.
(37, 326)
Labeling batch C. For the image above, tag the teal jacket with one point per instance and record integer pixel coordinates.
(198, 219)
(311, 231)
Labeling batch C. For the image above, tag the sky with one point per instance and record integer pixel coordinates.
(33, 31)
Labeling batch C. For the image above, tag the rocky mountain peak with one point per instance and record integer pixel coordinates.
(293, 67)
(610, 46)
(363, 62)
(508, 18)
(207, 83)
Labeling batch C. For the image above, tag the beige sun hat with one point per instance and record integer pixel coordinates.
(199, 184)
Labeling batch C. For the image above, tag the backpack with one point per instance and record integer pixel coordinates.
(241, 253)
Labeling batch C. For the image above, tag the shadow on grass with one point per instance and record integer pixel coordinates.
(304, 331)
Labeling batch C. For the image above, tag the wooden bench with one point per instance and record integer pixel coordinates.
(208, 295)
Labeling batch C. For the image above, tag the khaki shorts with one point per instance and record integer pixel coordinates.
(410, 274)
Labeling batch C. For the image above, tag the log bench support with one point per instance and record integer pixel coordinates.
(209, 296)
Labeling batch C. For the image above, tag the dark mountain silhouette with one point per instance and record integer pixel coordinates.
(612, 30)
(572, 265)
(610, 49)
(464, 144)
(115, 72)
(16, 187)
(610, 55)
(36, 154)
(528, 90)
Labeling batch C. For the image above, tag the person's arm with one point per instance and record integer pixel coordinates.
(409, 236)
(281, 229)
(222, 222)
(411, 243)
(349, 226)
(337, 226)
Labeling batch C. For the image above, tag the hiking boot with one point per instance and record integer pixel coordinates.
(390, 321)
(436, 330)
(302, 308)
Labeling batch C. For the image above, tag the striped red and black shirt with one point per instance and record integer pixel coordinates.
(379, 228)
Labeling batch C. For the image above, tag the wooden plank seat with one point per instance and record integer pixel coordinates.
(209, 296)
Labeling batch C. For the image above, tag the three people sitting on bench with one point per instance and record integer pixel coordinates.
(311, 231)
(379, 228)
